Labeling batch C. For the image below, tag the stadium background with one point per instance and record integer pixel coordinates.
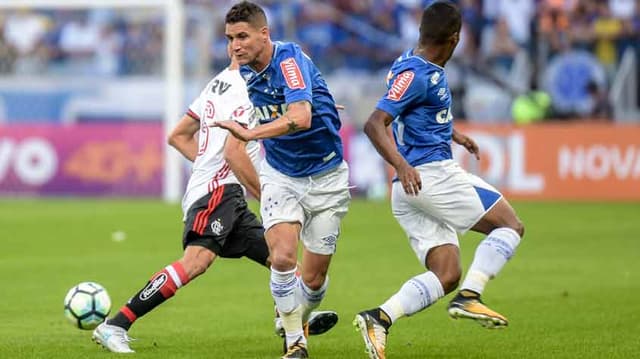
(96, 76)
(548, 88)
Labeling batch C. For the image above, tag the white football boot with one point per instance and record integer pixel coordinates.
(113, 338)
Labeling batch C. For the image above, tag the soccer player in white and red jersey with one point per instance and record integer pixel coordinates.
(432, 197)
(217, 220)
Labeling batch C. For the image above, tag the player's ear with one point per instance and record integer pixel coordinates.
(454, 38)
(264, 31)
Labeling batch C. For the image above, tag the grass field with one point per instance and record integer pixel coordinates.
(571, 291)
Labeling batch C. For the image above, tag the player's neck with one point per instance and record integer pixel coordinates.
(433, 54)
(263, 60)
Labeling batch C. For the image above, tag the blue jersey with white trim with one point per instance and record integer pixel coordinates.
(292, 77)
(419, 100)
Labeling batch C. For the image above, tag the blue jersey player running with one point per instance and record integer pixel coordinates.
(432, 197)
(304, 178)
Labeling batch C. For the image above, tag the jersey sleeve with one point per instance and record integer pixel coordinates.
(197, 107)
(405, 89)
(294, 68)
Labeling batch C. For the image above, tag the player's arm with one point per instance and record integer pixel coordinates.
(466, 142)
(235, 153)
(182, 137)
(376, 130)
(297, 118)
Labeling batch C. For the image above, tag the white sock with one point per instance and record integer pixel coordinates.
(283, 285)
(310, 299)
(491, 255)
(292, 324)
(415, 295)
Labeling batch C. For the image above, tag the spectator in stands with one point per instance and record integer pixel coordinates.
(606, 31)
(24, 31)
(7, 53)
(78, 40)
(502, 49)
(601, 108)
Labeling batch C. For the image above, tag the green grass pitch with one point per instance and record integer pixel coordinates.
(571, 291)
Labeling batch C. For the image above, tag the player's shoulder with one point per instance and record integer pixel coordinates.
(419, 67)
(286, 50)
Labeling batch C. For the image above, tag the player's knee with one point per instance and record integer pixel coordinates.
(283, 260)
(194, 267)
(518, 226)
(315, 281)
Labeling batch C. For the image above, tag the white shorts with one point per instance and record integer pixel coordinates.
(451, 200)
(318, 203)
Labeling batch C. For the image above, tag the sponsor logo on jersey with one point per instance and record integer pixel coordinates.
(220, 87)
(400, 85)
(240, 111)
(153, 286)
(435, 77)
(443, 116)
(209, 110)
(268, 113)
(442, 93)
(217, 227)
(292, 74)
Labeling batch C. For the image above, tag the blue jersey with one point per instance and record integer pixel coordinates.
(419, 100)
(291, 77)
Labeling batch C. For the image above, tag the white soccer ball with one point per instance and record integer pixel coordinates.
(87, 305)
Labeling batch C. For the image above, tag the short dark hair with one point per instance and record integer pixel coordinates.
(246, 12)
(439, 21)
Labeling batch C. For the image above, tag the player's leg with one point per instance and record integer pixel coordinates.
(112, 334)
(436, 246)
(326, 203)
(201, 246)
(282, 218)
(504, 232)
(249, 235)
(282, 239)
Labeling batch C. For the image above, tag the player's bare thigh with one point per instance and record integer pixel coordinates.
(500, 215)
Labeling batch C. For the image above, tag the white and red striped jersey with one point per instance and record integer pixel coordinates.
(224, 98)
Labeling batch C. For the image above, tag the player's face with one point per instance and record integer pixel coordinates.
(246, 43)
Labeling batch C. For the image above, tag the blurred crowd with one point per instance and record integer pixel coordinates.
(362, 36)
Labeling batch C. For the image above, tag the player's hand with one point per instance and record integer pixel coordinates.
(468, 143)
(340, 107)
(410, 179)
(235, 128)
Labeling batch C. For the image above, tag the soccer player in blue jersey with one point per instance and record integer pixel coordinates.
(432, 197)
(304, 178)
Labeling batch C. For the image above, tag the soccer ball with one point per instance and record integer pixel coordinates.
(87, 305)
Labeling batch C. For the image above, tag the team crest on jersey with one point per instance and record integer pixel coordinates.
(217, 227)
(400, 85)
(292, 74)
(435, 77)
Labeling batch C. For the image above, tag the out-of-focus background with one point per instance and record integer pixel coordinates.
(548, 87)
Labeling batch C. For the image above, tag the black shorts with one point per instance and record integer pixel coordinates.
(222, 222)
